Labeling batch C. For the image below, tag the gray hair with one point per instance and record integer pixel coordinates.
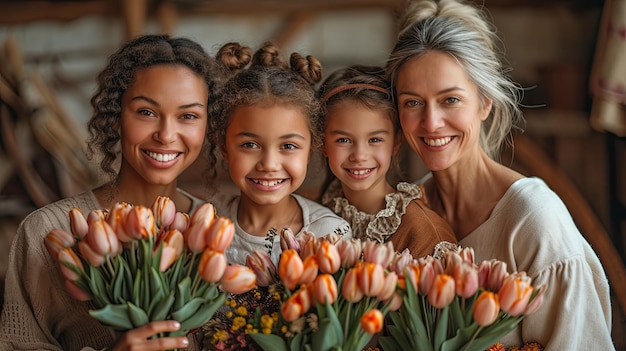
(463, 32)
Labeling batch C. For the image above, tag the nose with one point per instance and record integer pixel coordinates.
(166, 132)
(359, 152)
(432, 119)
(270, 161)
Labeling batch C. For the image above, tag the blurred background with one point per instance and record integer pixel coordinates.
(51, 51)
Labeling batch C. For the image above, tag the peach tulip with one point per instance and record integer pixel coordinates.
(389, 286)
(101, 237)
(220, 234)
(199, 225)
(297, 304)
(486, 308)
(164, 210)
(94, 258)
(371, 279)
(76, 292)
(466, 279)
(117, 221)
(261, 263)
(441, 292)
(467, 255)
(413, 272)
(395, 302)
(68, 255)
(181, 222)
(310, 270)
(375, 252)
(290, 268)
(56, 240)
(372, 321)
(515, 293)
(328, 257)
(535, 303)
(401, 260)
(308, 244)
(350, 289)
(140, 223)
(212, 265)
(350, 251)
(238, 279)
(78, 223)
(325, 288)
(173, 246)
(429, 268)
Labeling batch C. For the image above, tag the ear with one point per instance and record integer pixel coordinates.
(224, 153)
(487, 104)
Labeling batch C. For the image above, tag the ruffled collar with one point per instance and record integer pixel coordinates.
(379, 226)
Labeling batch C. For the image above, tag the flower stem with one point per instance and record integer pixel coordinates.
(469, 343)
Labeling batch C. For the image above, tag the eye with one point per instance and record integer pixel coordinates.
(250, 145)
(147, 113)
(452, 100)
(342, 140)
(289, 146)
(375, 140)
(412, 103)
(189, 116)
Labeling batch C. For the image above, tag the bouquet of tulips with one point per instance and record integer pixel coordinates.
(334, 293)
(454, 304)
(139, 264)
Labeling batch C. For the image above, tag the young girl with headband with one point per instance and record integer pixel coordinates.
(361, 138)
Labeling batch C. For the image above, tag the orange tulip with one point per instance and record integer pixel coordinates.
(56, 240)
(296, 305)
(389, 286)
(68, 255)
(238, 279)
(101, 237)
(212, 265)
(78, 223)
(372, 321)
(486, 308)
(310, 270)
(199, 226)
(371, 279)
(220, 234)
(328, 257)
(164, 210)
(117, 221)
(325, 288)
(173, 246)
(350, 289)
(515, 293)
(414, 273)
(308, 244)
(140, 223)
(441, 292)
(290, 268)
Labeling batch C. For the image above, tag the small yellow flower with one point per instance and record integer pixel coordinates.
(266, 322)
(238, 322)
(229, 314)
(220, 335)
(267, 331)
(284, 329)
(241, 311)
(233, 303)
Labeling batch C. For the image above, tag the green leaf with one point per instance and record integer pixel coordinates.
(203, 314)
(388, 343)
(138, 316)
(118, 287)
(188, 309)
(114, 316)
(97, 287)
(441, 327)
(456, 314)
(462, 337)
(137, 286)
(184, 293)
(269, 342)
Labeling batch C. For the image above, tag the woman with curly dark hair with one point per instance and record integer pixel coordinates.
(149, 124)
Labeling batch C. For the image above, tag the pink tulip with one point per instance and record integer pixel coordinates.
(325, 289)
(76, 292)
(382, 254)
(94, 258)
(350, 289)
(452, 259)
(221, 234)
(389, 286)
(372, 321)
(308, 244)
(238, 279)
(164, 210)
(310, 270)
(181, 222)
(395, 302)
(56, 240)
(68, 255)
(515, 293)
(441, 292)
(349, 251)
(486, 308)
(140, 223)
(261, 263)
(199, 226)
(101, 237)
(290, 268)
(212, 265)
(288, 240)
(296, 305)
(497, 274)
(429, 267)
(371, 279)
(401, 260)
(78, 223)
(467, 255)
(173, 246)
(117, 221)
(466, 279)
(328, 257)
(536, 302)
(333, 238)
(413, 273)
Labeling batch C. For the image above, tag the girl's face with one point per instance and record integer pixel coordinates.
(440, 110)
(359, 143)
(163, 123)
(267, 149)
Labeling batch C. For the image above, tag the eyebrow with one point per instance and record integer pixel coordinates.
(282, 137)
(153, 102)
(339, 131)
(444, 91)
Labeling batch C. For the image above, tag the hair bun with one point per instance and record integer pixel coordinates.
(268, 55)
(234, 56)
(308, 67)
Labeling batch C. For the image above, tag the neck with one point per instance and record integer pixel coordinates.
(258, 219)
(371, 200)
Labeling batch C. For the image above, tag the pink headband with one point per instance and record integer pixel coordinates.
(341, 88)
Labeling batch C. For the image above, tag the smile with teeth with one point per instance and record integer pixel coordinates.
(161, 157)
(360, 171)
(438, 141)
(268, 182)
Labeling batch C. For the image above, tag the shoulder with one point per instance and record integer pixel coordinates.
(320, 219)
(55, 214)
(225, 203)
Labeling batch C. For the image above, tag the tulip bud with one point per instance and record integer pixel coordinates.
(296, 305)
(413, 273)
(290, 268)
(199, 226)
(349, 251)
(308, 244)
(382, 254)
(75, 291)
(101, 237)
(452, 259)
(328, 257)
(56, 240)
(78, 223)
(372, 321)
(467, 255)
(441, 292)
(181, 222)
(261, 263)
(333, 238)
(288, 240)
(140, 223)
(68, 256)
(371, 279)
(117, 221)
(389, 286)
(325, 289)
(535, 303)
(350, 289)
(212, 265)
(395, 302)
(173, 246)
(401, 260)
(220, 234)
(466, 279)
(164, 210)
(238, 279)
(94, 258)
(486, 308)
(310, 270)
(515, 293)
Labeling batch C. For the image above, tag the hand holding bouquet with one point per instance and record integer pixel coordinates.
(139, 264)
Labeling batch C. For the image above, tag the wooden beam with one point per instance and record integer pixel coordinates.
(29, 11)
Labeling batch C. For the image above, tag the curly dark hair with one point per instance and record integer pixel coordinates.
(265, 78)
(140, 53)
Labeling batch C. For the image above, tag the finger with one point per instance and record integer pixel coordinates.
(167, 343)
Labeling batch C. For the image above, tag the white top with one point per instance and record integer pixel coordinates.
(317, 219)
(531, 230)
